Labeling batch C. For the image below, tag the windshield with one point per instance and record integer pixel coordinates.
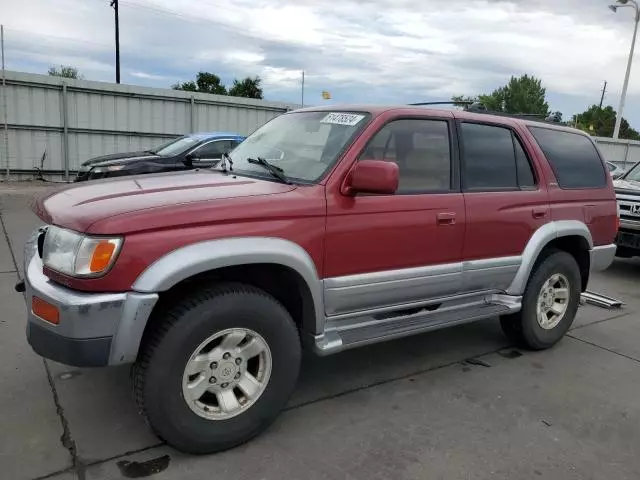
(634, 174)
(176, 147)
(303, 144)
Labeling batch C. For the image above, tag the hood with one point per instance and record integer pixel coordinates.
(150, 201)
(119, 158)
(627, 186)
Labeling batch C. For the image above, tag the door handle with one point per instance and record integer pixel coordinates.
(539, 212)
(446, 218)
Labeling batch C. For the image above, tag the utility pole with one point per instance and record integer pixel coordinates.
(620, 4)
(5, 107)
(302, 102)
(604, 89)
(114, 4)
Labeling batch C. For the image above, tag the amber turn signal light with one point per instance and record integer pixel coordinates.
(46, 311)
(102, 256)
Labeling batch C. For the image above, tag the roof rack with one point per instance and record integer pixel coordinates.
(478, 107)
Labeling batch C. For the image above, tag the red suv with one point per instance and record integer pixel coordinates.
(328, 229)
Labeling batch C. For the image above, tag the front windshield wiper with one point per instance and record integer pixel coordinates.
(275, 171)
(151, 152)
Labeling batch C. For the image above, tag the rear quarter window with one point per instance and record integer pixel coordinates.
(573, 158)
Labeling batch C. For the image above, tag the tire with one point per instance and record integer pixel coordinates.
(160, 378)
(523, 328)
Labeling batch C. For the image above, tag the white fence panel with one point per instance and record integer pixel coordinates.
(74, 120)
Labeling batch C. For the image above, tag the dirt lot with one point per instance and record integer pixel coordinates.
(455, 404)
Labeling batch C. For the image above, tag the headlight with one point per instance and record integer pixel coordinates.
(108, 168)
(77, 255)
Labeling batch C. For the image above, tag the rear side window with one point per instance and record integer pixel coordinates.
(494, 159)
(573, 157)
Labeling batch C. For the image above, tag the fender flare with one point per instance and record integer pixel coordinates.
(190, 260)
(538, 241)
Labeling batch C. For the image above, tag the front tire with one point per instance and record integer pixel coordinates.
(549, 303)
(217, 369)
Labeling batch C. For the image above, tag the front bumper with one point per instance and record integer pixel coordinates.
(95, 329)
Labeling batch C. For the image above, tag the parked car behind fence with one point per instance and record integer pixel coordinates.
(183, 153)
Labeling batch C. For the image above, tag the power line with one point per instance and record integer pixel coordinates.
(54, 37)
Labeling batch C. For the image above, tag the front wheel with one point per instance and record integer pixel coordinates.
(218, 368)
(549, 303)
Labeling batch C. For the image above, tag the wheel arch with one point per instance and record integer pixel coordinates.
(274, 265)
(571, 236)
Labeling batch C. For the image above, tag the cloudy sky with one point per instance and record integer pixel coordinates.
(379, 51)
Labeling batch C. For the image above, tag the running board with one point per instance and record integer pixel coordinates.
(600, 300)
(369, 329)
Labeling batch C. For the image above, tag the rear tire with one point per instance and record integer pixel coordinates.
(549, 303)
(185, 400)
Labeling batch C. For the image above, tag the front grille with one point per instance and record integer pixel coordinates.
(628, 239)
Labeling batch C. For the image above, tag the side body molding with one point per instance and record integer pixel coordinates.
(201, 257)
(540, 239)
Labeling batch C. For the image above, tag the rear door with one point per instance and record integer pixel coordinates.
(504, 200)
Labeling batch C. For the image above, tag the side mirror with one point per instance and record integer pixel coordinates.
(189, 158)
(372, 176)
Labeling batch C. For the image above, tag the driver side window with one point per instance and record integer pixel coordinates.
(420, 148)
(213, 149)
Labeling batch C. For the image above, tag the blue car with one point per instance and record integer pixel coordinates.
(197, 150)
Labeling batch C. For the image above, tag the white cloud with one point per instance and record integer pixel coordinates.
(423, 48)
(149, 76)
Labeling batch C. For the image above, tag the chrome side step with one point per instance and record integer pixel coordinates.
(346, 333)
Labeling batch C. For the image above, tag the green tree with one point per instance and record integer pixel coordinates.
(461, 100)
(601, 123)
(186, 86)
(65, 71)
(247, 87)
(205, 82)
(524, 94)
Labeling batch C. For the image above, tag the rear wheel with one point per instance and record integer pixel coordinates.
(549, 304)
(218, 368)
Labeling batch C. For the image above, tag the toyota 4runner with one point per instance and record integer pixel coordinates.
(329, 229)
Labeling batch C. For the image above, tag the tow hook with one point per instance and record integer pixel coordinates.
(20, 288)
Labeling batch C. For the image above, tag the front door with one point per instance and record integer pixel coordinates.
(384, 250)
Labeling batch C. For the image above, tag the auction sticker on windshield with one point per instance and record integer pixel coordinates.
(349, 119)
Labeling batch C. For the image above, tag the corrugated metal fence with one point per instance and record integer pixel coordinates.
(69, 121)
(624, 153)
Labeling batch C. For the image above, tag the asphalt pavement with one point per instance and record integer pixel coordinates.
(455, 404)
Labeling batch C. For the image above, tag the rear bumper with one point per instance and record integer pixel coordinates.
(602, 257)
(95, 329)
